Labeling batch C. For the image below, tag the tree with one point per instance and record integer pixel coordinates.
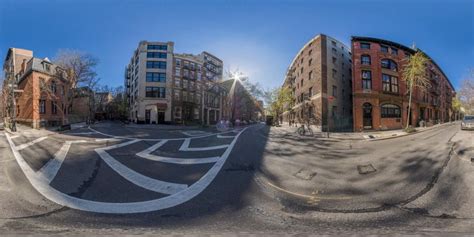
(281, 99)
(466, 94)
(414, 74)
(456, 105)
(80, 68)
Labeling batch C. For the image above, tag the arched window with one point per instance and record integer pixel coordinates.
(389, 64)
(365, 59)
(390, 111)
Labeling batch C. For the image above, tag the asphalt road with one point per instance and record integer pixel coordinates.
(117, 180)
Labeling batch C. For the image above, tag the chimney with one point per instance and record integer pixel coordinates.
(23, 66)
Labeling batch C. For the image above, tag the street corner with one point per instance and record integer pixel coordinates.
(76, 169)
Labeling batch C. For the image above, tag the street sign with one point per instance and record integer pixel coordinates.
(18, 91)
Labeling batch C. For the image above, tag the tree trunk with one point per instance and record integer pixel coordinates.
(409, 105)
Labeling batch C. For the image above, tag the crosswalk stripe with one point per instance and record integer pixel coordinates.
(181, 161)
(23, 146)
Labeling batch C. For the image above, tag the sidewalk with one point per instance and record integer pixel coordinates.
(366, 135)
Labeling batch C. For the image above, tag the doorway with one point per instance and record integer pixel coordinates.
(367, 115)
(161, 117)
(147, 116)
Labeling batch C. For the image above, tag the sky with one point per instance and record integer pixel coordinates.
(259, 38)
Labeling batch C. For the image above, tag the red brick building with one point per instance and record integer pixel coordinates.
(380, 96)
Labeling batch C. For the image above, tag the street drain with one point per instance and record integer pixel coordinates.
(305, 174)
(366, 169)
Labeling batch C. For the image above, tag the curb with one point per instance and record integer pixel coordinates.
(407, 134)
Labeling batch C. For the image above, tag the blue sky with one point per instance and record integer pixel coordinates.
(259, 38)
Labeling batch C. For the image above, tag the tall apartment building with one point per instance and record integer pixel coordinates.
(381, 96)
(147, 77)
(164, 87)
(320, 80)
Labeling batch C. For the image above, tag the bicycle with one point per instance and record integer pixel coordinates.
(302, 130)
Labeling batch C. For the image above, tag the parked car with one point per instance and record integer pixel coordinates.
(467, 122)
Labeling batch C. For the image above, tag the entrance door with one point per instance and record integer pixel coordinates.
(367, 115)
(161, 117)
(147, 116)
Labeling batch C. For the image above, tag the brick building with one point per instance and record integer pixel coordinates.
(320, 79)
(380, 96)
(42, 100)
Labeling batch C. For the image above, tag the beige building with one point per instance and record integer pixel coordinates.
(164, 87)
(320, 80)
(147, 78)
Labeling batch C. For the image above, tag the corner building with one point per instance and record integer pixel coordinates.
(380, 96)
(320, 80)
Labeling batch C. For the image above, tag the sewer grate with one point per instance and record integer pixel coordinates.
(366, 169)
(305, 174)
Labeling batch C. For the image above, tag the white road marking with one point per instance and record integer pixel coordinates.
(223, 136)
(159, 139)
(121, 208)
(107, 140)
(23, 146)
(135, 177)
(14, 136)
(195, 133)
(2, 135)
(51, 168)
(181, 161)
(187, 141)
(80, 133)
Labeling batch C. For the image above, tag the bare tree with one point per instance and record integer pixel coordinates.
(466, 94)
(81, 73)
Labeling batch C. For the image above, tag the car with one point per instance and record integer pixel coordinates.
(467, 122)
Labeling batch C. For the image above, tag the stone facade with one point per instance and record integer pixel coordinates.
(380, 96)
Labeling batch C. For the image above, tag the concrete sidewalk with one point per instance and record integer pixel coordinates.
(285, 129)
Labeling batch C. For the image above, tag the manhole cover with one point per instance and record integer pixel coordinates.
(366, 169)
(305, 174)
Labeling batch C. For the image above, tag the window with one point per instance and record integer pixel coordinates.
(302, 70)
(156, 64)
(390, 111)
(155, 92)
(155, 77)
(157, 47)
(310, 61)
(310, 91)
(177, 112)
(334, 111)
(389, 83)
(334, 91)
(334, 50)
(54, 109)
(178, 62)
(365, 60)
(155, 55)
(389, 64)
(394, 51)
(176, 95)
(42, 106)
(302, 80)
(310, 52)
(366, 79)
(365, 45)
(384, 48)
(333, 42)
(334, 60)
(177, 72)
(334, 73)
(53, 87)
(310, 75)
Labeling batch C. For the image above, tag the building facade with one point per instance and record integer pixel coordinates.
(147, 77)
(320, 80)
(43, 98)
(380, 96)
(164, 87)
